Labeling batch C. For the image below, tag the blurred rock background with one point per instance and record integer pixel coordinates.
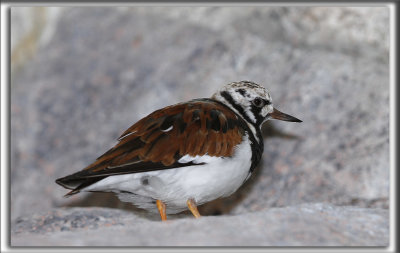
(81, 76)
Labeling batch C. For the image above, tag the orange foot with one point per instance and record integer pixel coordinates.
(193, 208)
(162, 210)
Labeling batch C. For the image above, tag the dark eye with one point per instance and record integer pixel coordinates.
(258, 102)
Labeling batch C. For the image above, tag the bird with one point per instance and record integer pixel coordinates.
(186, 154)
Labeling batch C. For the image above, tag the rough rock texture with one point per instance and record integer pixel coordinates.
(304, 225)
(99, 70)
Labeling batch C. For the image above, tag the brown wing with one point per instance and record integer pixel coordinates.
(158, 141)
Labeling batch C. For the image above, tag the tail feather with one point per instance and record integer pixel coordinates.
(73, 192)
(76, 184)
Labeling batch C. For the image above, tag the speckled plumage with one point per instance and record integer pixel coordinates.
(198, 150)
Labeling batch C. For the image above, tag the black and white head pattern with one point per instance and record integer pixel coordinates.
(250, 100)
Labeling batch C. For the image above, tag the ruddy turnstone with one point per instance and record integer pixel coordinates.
(185, 154)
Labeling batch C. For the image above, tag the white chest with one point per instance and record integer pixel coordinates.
(217, 177)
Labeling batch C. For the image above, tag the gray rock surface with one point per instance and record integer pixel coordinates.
(304, 225)
(99, 70)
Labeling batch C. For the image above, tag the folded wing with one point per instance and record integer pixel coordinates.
(158, 141)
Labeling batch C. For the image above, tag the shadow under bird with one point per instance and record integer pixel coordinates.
(185, 154)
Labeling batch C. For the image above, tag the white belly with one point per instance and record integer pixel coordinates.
(218, 177)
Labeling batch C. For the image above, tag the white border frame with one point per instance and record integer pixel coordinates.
(5, 130)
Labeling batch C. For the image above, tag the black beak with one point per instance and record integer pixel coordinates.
(275, 114)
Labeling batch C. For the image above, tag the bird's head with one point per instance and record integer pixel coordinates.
(252, 101)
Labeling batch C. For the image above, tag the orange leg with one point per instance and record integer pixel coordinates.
(193, 208)
(162, 210)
